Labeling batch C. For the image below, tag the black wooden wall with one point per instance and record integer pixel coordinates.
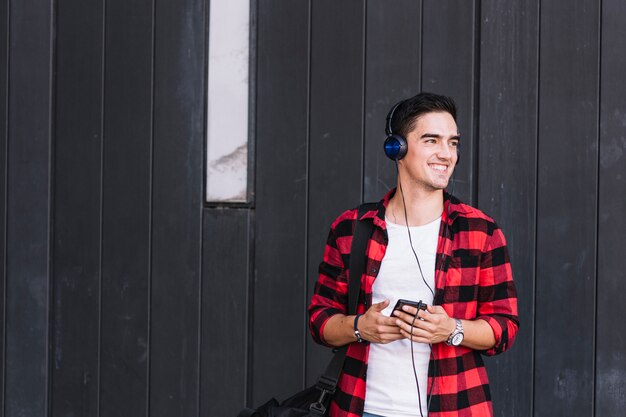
(123, 294)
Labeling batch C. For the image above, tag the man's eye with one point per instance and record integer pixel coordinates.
(454, 143)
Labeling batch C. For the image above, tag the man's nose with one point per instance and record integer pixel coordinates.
(444, 151)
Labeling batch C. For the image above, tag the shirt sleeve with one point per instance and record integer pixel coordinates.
(331, 289)
(497, 296)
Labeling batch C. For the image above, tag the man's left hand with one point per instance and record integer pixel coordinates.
(431, 326)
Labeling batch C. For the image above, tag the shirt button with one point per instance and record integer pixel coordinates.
(373, 270)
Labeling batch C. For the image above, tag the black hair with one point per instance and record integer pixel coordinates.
(407, 113)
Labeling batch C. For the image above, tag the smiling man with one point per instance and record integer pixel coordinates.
(450, 259)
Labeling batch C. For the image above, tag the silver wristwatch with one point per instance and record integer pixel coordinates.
(456, 337)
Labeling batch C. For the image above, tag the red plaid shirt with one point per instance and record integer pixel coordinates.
(473, 280)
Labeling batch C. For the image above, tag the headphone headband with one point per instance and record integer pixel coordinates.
(388, 129)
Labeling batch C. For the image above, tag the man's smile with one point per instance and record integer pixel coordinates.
(439, 167)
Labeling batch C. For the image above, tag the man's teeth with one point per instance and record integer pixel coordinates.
(439, 167)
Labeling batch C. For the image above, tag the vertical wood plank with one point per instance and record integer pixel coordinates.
(507, 176)
(28, 209)
(77, 208)
(126, 208)
(392, 71)
(567, 208)
(4, 106)
(225, 301)
(280, 328)
(448, 68)
(336, 132)
(177, 207)
(610, 357)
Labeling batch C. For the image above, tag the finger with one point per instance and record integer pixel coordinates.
(418, 324)
(409, 309)
(388, 329)
(386, 321)
(407, 328)
(437, 316)
(407, 317)
(384, 334)
(380, 306)
(425, 315)
(381, 332)
(418, 339)
(432, 309)
(438, 310)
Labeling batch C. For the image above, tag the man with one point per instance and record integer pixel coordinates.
(428, 246)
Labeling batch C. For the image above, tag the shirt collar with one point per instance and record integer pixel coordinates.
(452, 207)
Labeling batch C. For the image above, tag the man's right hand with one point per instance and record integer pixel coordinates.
(375, 327)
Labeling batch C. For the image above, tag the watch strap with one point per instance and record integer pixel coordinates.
(458, 329)
(356, 328)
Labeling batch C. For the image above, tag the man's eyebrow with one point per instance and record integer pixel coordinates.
(436, 136)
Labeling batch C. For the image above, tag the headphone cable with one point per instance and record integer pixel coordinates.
(408, 230)
(419, 266)
(446, 230)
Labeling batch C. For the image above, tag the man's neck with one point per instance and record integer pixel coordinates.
(422, 206)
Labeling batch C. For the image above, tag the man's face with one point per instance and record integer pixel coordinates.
(432, 151)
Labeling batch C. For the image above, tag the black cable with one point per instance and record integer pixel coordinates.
(417, 383)
(446, 229)
(443, 254)
(406, 221)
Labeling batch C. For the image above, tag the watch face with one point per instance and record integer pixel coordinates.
(456, 339)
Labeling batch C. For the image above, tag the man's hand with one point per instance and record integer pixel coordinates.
(375, 327)
(431, 326)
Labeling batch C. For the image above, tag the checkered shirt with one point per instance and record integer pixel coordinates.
(473, 280)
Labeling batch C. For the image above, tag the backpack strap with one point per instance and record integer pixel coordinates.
(327, 383)
(362, 233)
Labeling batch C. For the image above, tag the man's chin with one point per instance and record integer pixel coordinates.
(438, 186)
(441, 185)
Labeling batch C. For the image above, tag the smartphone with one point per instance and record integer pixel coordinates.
(417, 304)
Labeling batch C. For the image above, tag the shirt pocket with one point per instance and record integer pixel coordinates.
(462, 278)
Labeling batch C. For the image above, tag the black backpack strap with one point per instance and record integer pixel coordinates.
(327, 383)
(362, 233)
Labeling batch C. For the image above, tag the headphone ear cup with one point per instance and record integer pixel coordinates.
(395, 147)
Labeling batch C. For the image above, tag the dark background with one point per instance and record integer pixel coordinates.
(123, 294)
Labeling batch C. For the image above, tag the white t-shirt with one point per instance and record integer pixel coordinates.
(390, 384)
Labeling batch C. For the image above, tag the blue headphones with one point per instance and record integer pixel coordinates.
(395, 145)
